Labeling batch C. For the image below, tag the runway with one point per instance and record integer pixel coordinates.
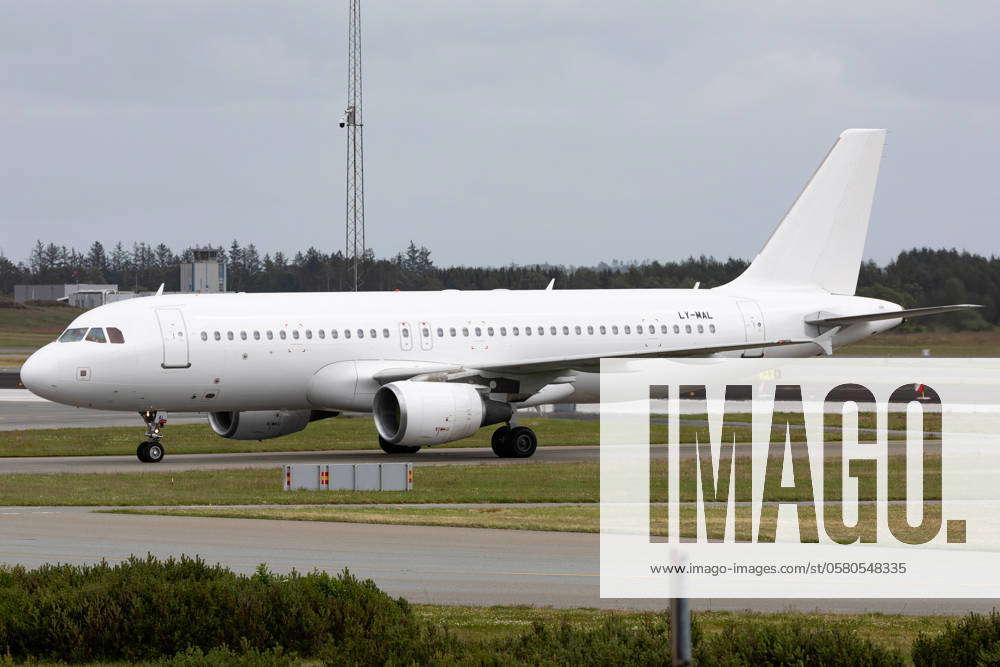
(424, 564)
(22, 410)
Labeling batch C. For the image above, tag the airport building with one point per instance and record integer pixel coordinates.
(205, 273)
(24, 293)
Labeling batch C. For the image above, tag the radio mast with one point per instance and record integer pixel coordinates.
(355, 238)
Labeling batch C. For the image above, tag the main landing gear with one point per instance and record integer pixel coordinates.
(151, 451)
(514, 442)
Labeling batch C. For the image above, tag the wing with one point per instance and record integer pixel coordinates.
(845, 320)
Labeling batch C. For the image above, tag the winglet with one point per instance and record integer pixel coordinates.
(159, 292)
(552, 283)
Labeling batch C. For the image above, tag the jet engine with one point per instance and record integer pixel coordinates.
(263, 424)
(429, 413)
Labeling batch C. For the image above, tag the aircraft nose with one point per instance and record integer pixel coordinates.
(39, 372)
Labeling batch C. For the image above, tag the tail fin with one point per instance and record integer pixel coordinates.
(821, 238)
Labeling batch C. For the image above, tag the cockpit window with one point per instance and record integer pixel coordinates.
(96, 335)
(73, 335)
(115, 335)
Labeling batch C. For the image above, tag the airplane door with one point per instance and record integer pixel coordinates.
(426, 341)
(405, 336)
(753, 322)
(174, 334)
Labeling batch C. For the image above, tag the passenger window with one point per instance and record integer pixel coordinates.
(347, 333)
(604, 330)
(243, 335)
(465, 331)
(73, 335)
(527, 331)
(514, 331)
(295, 334)
(309, 334)
(711, 328)
(552, 330)
(385, 333)
(701, 329)
(479, 332)
(217, 336)
(372, 333)
(204, 335)
(503, 331)
(541, 331)
(229, 335)
(638, 329)
(578, 330)
(425, 332)
(663, 328)
(256, 335)
(334, 333)
(452, 332)
(489, 331)
(361, 333)
(565, 331)
(614, 329)
(270, 335)
(440, 332)
(321, 333)
(406, 332)
(590, 330)
(677, 329)
(96, 335)
(115, 336)
(687, 328)
(628, 329)
(282, 334)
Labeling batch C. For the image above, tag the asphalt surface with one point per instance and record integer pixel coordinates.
(20, 410)
(421, 563)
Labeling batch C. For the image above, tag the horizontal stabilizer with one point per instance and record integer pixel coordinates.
(889, 315)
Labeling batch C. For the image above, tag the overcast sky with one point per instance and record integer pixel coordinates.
(504, 131)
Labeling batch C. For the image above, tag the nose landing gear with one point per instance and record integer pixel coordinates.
(151, 451)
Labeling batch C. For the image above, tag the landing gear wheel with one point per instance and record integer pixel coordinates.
(498, 441)
(150, 452)
(521, 442)
(390, 448)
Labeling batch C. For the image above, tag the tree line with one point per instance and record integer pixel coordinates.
(917, 277)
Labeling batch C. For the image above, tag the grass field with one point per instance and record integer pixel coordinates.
(478, 623)
(562, 518)
(939, 344)
(32, 326)
(347, 433)
(529, 483)
(337, 434)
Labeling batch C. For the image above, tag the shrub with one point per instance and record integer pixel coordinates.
(791, 643)
(143, 609)
(974, 640)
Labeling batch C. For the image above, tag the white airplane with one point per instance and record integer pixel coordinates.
(434, 367)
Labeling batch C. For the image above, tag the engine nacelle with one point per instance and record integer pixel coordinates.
(262, 424)
(430, 413)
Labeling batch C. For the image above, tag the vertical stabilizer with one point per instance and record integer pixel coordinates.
(822, 237)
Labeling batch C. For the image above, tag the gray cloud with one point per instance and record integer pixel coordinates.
(495, 132)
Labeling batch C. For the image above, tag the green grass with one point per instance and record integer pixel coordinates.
(337, 434)
(560, 518)
(940, 344)
(571, 482)
(31, 326)
(485, 623)
(530, 483)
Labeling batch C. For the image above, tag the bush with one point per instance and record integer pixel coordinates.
(791, 643)
(975, 640)
(143, 609)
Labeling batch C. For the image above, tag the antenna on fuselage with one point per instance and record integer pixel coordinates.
(552, 283)
(159, 292)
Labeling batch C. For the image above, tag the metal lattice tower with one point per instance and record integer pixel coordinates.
(355, 239)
